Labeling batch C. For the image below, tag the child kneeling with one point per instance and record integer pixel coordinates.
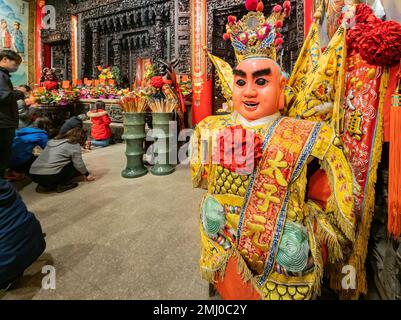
(100, 130)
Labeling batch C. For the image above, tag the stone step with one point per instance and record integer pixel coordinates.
(117, 129)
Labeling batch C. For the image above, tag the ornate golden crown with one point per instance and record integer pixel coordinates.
(257, 36)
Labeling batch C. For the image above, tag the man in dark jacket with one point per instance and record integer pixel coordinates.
(22, 239)
(73, 122)
(9, 63)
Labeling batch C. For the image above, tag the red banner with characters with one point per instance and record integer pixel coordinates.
(362, 140)
(361, 120)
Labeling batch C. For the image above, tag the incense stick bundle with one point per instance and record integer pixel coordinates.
(162, 105)
(133, 103)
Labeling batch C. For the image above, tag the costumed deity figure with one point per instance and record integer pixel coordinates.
(49, 79)
(264, 235)
(5, 35)
(18, 38)
(347, 89)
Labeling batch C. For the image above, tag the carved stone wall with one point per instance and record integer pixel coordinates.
(60, 38)
(116, 32)
(63, 22)
(184, 36)
(120, 31)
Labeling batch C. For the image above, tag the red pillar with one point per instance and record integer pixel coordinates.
(38, 41)
(202, 87)
(308, 12)
(204, 108)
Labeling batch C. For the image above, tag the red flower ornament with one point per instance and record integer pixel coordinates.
(240, 150)
(157, 82)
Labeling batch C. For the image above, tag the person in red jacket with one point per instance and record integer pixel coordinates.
(100, 131)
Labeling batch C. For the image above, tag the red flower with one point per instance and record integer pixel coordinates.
(240, 150)
(50, 85)
(226, 36)
(157, 82)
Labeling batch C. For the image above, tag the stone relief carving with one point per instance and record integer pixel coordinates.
(143, 24)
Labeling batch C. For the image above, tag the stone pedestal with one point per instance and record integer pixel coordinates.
(161, 147)
(134, 134)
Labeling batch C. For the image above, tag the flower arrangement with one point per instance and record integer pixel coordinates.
(102, 92)
(51, 97)
(123, 92)
(150, 70)
(46, 97)
(185, 86)
(105, 73)
(68, 96)
(116, 73)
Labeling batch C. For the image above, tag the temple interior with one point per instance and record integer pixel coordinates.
(112, 114)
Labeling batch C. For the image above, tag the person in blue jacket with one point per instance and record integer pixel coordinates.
(26, 139)
(21, 236)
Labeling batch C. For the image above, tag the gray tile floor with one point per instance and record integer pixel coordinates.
(116, 238)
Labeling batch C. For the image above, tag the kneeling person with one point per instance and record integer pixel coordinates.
(60, 162)
(100, 130)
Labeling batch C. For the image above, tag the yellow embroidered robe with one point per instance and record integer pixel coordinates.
(256, 217)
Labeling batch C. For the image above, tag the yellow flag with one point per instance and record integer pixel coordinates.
(226, 76)
(321, 98)
(307, 59)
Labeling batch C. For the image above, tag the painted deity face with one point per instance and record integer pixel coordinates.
(258, 88)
